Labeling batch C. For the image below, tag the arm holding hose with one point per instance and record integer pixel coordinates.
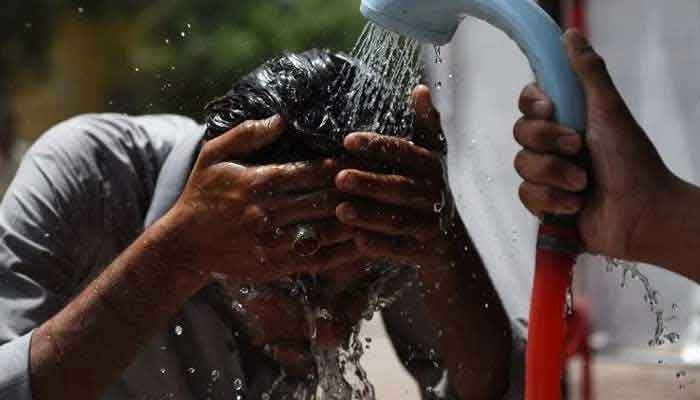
(631, 206)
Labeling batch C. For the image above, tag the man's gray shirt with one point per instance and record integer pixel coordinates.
(83, 193)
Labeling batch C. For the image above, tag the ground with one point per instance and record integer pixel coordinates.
(613, 380)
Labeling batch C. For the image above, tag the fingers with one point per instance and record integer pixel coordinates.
(541, 200)
(392, 189)
(389, 220)
(535, 104)
(547, 169)
(591, 69)
(301, 177)
(428, 127)
(293, 209)
(377, 245)
(243, 140)
(547, 137)
(394, 152)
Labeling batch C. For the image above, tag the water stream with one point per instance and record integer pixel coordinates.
(661, 334)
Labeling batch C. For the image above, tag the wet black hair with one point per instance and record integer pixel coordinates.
(306, 90)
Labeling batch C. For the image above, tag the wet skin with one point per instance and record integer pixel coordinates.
(379, 202)
(631, 206)
(226, 222)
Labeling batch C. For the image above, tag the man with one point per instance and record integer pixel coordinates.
(108, 248)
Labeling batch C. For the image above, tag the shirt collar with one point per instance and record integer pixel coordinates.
(173, 176)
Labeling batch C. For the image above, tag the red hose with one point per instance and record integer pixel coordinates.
(547, 330)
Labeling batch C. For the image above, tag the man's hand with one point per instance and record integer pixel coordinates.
(627, 196)
(240, 220)
(395, 217)
(395, 212)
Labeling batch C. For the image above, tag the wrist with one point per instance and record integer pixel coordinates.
(169, 242)
(667, 232)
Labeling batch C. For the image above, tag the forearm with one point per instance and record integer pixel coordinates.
(670, 234)
(475, 338)
(99, 333)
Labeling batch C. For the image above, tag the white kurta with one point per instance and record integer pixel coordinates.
(653, 53)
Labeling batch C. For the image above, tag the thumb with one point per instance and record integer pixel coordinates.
(428, 127)
(592, 70)
(243, 140)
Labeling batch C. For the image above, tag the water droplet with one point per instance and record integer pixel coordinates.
(450, 76)
(191, 370)
(183, 34)
(437, 207)
(237, 384)
(438, 85)
(215, 374)
(245, 290)
(137, 69)
(163, 371)
(438, 57)
(486, 305)
(673, 337)
(167, 41)
(81, 10)
(189, 26)
(178, 330)
(675, 308)
(237, 306)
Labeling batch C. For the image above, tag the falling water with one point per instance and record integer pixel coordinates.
(661, 335)
(395, 59)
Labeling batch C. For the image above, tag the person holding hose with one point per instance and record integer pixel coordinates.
(630, 204)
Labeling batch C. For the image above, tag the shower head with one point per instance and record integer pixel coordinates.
(539, 37)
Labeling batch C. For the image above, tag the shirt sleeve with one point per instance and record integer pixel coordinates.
(77, 200)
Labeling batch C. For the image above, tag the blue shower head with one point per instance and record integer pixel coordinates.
(436, 21)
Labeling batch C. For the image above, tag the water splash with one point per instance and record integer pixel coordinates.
(339, 375)
(661, 335)
(395, 59)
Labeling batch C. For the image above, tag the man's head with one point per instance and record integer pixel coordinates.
(313, 92)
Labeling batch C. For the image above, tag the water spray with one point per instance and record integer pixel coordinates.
(539, 37)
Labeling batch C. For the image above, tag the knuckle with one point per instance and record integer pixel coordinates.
(208, 151)
(249, 125)
(552, 197)
(524, 193)
(256, 218)
(520, 162)
(519, 129)
(550, 166)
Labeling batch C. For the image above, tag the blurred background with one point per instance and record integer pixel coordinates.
(59, 58)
